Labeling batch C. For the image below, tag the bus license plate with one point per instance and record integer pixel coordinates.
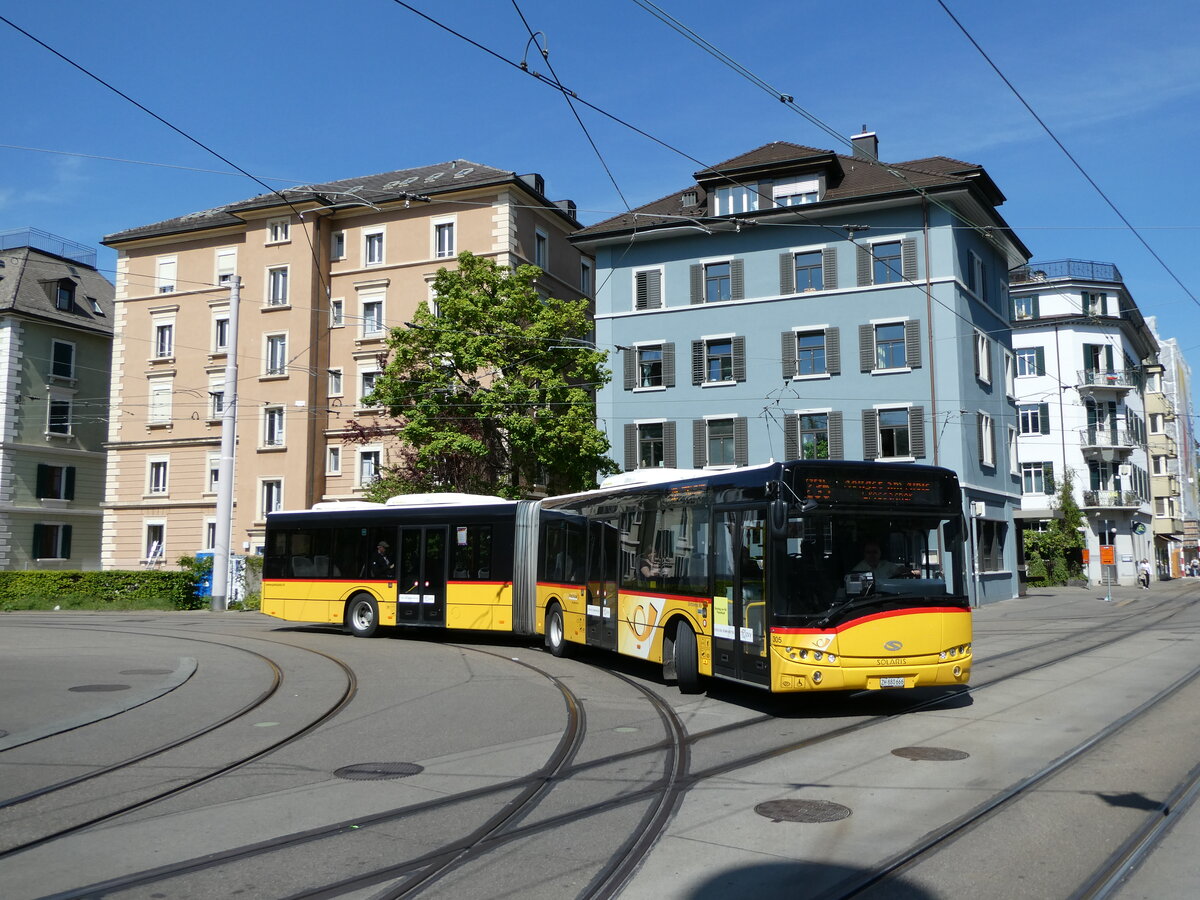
(891, 682)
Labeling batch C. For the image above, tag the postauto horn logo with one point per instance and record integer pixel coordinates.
(892, 646)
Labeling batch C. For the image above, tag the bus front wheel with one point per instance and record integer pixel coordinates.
(362, 616)
(687, 660)
(556, 637)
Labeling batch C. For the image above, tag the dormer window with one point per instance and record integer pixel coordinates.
(688, 198)
(64, 297)
(798, 192)
(734, 199)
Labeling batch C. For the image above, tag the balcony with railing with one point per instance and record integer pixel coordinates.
(1097, 439)
(1077, 269)
(1097, 379)
(1111, 500)
(51, 243)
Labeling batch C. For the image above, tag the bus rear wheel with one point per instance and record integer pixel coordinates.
(687, 660)
(362, 616)
(556, 637)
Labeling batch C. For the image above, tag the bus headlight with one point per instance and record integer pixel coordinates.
(943, 656)
(831, 658)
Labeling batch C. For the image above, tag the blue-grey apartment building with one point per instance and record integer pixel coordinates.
(795, 302)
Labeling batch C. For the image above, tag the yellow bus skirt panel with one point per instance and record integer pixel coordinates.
(901, 649)
(296, 600)
(479, 605)
(573, 600)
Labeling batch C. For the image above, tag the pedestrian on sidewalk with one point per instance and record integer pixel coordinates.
(1144, 574)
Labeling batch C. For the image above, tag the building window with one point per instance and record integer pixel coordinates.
(335, 382)
(894, 433)
(372, 318)
(368, 467)
(58, 418)
(164, 340)
(810, 353)
(278, 230)
(647, 289)
(210, 534)
(277, 361)
(1095, 304)
(890, 346)
(1161, 465)
(273, 426)
(1037, 478)
(272, 496)
(155, 543)
(373, 248)
(1025, 307)
(51, 541)
(718, 360)
(650, 366)
(983, 358)
(55, 482)
(64, 296)
(160, 402)
(158, 476)
(337, 245)
(165, 274)
(651, 446)
(221, 334)
(1031, 361)
(541, 250)
(1010, 374)
(991, 545)
(62, 359)
(333, 460)
(987, 440)
(719, 441)
(216, 397)
(809, 271)
(586, 282)
(734, 199)
(813, 434)
(214, 473)
(443, 240)
(886, 265)
(366, 385)
(1158, 423)
(226, 265)
(277, 286)
(337, 313)
(717, 285)
(1034, 418)
(796, 193)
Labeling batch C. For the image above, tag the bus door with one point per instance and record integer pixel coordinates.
(740, 542)
(421, 576)
(603, 560)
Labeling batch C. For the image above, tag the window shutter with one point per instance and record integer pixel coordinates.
(787, 346)
(43, 478)
(866, 347)
(837, 446)
(1108, 358)
(1037, 311)
(870, 420)
(908, 258)
(739, 359)
(697, 283)
(916, 431)
(66, 542)
(741, 442)
(833, 350)
(912, 344)
(791, 436)
(631, 448)
(69, 484)
(864, 265)
(1044, 417)
(668, 363)
(1112, 420)
(978, 435)
(630, 368)
(1039, 356)
(1048, 477)
(992, 445)
(828, 268)
(699, 443)
(649, 290)
(787, 273)
(697, 362)
(37, 540)
(737, 279)
(669, 444)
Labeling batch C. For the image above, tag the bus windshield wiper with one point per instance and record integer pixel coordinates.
(846, 604)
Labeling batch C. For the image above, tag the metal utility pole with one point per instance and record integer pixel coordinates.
(220, 574)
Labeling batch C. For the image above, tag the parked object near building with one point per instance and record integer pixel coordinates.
(56, 331)
(326, 271)
(795, 302)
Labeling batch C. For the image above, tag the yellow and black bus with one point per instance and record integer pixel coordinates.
(798, 576)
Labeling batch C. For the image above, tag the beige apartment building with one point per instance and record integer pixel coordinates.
(325, 270)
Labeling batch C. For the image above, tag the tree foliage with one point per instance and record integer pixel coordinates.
(494, 392)
(1055, 555)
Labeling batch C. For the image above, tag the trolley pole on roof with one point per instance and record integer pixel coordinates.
(220, 573)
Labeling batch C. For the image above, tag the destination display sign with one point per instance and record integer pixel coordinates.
(888, 490)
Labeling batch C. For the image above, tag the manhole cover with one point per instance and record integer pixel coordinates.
(812, 811)
(377, 771)
(146, 672)
(90, 688)
(934, 754)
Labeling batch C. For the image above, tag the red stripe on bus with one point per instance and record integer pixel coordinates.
(939, 610)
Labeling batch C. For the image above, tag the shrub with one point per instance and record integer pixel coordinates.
(98, 590)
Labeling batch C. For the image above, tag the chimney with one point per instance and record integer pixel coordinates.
(866, 145)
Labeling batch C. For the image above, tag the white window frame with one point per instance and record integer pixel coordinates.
(363, 455)
(1158, 423)
(662, 287)
(587, 276)
(149, 526)
(157, 475)
(893, 407)
(220, 344)
(372, 371)
(373, 327)
(1036, 471)
(279, 230)
(278, 291)
(274, 427)
(55, 343)
(709, 421)
(875, 326)
(374, 239)
(797, 332)
(439, 227)
(225, 265)
(709, 339)
(164, 338)
(639, 424)
(336, 381)
(166, 274)
(1012, 450)
(160, 401)
(337, 246)
(216, 397)
(541, 249)
(208, 534)
(1010, 374)
(1027, 355)
(212, 473)
(1161, 464)
(638, 348)
(337, 312)
(333, 459)
(275, 354)
(277, 489)
(56, 400)
(983, 357)
(987, 439)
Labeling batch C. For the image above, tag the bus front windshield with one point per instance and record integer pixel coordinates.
(838, 562)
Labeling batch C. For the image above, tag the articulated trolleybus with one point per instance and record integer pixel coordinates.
(798, 576)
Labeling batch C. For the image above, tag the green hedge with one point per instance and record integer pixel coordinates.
(178, 589)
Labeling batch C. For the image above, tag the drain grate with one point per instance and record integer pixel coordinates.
(97, 688)
(378, 771)
(145, 672)
(809, 811)
(929, 754)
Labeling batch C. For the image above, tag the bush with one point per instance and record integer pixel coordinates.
(99, 590)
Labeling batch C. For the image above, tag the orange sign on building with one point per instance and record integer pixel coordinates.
(1108, 556)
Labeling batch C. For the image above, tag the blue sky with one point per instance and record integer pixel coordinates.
(314, 91)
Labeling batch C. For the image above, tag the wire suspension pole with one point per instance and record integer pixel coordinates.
(224, 529)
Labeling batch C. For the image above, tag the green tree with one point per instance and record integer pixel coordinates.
(1056, 554)
(495, 393)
